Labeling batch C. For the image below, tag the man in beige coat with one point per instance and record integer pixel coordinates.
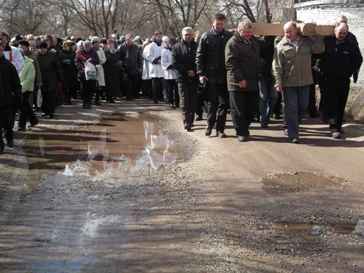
(293, 74)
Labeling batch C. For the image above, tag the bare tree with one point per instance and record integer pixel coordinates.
(255, 11)
(19, 16)
(99, 16)
(175, 14)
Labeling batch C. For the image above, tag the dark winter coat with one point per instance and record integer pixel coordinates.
(69, 69)
(113, 72)
(210, 58)
(50, 69)
(132, 58)
(10, 87)
(242, 63)
(184, 56)
(341, 59)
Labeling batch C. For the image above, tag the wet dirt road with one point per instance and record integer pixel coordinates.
(124, 189)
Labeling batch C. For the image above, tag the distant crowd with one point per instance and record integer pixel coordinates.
(220, 71)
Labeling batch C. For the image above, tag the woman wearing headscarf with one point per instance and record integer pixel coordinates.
(86, 61)
(99, 69)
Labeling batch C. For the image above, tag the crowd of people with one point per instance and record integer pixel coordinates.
(221, 71)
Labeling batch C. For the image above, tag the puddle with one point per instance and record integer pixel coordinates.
(133, 145)
(119, 145)
(299, 182)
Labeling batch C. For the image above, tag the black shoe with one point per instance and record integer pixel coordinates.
(294, 140)
(10, 143)
(97, 103)
(314, 114)
(220, 134)
(189, 129)
(34, 123)
(337, 135)
(208, 132)
(2, 147)
(22, 129)
(264, 125)
(199, 118)
(277, 116)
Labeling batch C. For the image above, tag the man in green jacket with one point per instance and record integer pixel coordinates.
(292, 70)
(27, 80)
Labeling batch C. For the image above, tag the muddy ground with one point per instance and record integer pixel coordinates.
(124, 189)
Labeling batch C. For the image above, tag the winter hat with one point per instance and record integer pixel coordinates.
(43, 45)
(187, 30)
(165, 41)
(95, 40)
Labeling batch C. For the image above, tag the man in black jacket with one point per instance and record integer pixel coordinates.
(341, 60)
(210, 60)
(10, 99)
(184, 55)
(133, 66)
(242, 55)
(50, 68)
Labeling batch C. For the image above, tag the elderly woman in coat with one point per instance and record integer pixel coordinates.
(86, 61)
(170, 73)
(99, 69)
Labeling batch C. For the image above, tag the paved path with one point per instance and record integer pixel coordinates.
(82, 193)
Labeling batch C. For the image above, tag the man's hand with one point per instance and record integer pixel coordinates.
(191, 73)
(203, 79)
(157, 60)
(243, 84)
(279, 88)
(355, 76)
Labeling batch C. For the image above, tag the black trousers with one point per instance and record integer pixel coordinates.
(337, 92)
(201, 102)
(243, 110)
(277, 109)
(6, 123)
(171, 92)
(26, 110)
(157, 88)
(49, 100)
(218, 103)
(131, 87)
(147, 88)
(88, 90)
(188, 100)
(312, 108)
(323, 107)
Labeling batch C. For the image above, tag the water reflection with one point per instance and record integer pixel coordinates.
(158, 152)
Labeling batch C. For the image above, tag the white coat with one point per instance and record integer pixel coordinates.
(166, 61)
(15, 57)
(153, 52)
(146, 64)
(100, 68)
